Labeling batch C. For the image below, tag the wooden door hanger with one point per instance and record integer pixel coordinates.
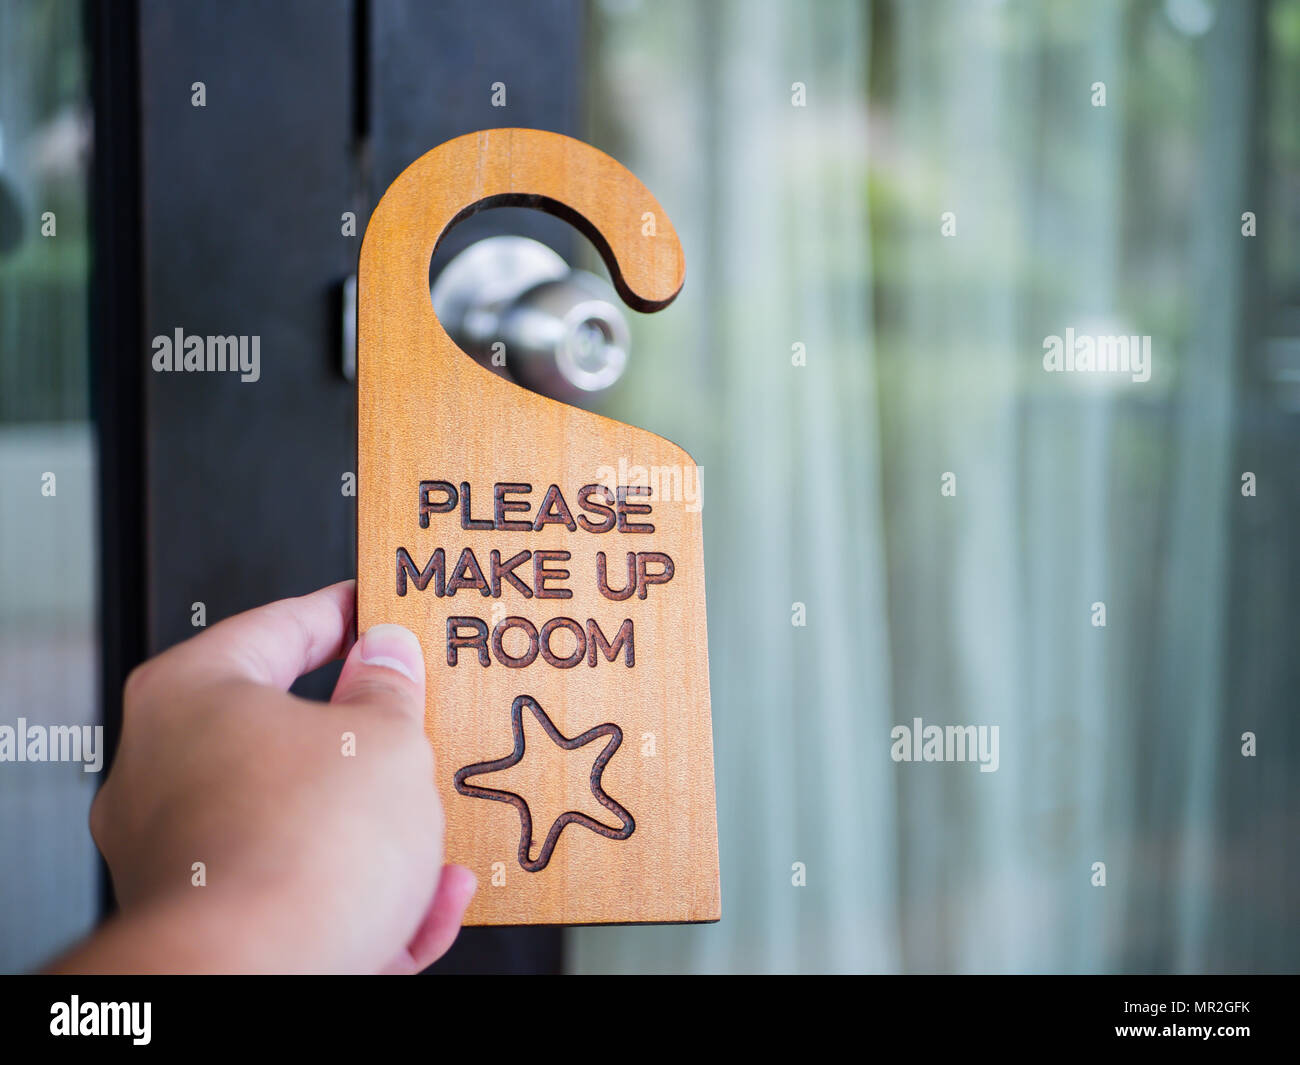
(561, 612)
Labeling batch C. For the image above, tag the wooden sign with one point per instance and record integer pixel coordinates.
(559, 597)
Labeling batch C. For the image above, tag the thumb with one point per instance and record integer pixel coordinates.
(384, 668)
(441, 923)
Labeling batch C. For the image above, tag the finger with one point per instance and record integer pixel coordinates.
(442, 921)
(446, 914)
(273, 644)
(386, 668)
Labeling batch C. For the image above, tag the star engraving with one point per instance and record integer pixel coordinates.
(615, 735)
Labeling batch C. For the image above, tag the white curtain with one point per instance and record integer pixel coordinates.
(769, 199)
(823, 226)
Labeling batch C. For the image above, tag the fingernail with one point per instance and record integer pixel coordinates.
(470, 887)
(393, 647)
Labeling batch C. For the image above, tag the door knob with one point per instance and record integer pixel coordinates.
(521, 311)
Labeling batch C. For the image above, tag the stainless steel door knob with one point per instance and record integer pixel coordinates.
(520, 310)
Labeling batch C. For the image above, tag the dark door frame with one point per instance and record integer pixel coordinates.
(226, 219)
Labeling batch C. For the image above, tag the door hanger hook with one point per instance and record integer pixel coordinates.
(564, 177)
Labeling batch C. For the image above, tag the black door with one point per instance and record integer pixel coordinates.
(243, 146)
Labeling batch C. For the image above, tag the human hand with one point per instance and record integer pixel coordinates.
(314, 859)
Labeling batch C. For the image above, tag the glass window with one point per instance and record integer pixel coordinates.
(48, 524)
(898, 217)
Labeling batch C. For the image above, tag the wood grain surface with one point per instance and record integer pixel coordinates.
(579, 789)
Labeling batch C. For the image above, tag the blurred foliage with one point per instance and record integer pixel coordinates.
(44, 121)
(1282, 148)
